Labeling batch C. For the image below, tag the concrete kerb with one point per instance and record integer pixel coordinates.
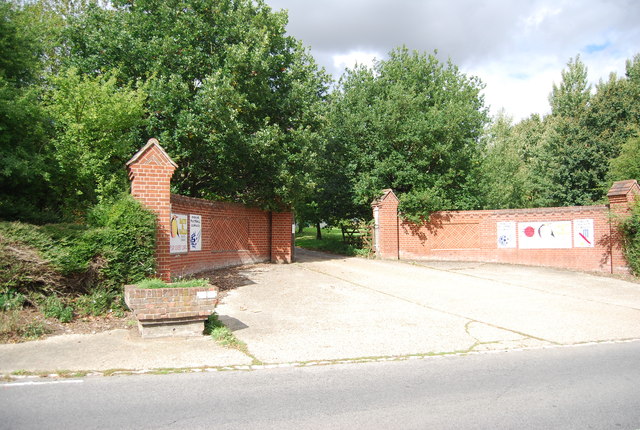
(35, 377)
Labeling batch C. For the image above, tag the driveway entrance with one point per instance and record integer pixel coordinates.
(328, 307)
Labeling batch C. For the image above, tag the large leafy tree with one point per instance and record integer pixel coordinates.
(233, 99)
(572, 163)
(24, 161)
(410, 123)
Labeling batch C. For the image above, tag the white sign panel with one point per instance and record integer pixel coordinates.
(583, 234)
(540, 235)
(195, 233)
(179, 234)
(506, 234)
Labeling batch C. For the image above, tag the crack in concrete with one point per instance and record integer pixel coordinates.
(426, 306)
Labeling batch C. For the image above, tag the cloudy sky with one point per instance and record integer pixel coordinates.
(517, 47)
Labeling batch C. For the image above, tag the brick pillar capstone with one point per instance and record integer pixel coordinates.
(622, 195)
(150, 172)
(385, 210)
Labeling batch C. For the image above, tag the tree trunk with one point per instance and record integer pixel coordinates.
(318, 231)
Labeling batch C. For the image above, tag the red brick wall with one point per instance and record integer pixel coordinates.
(472, 235)
(232, 234)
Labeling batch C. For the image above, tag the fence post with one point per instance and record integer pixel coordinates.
(622, 195)
(150, 172)
(385, 214)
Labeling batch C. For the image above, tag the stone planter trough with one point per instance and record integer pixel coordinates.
(169, 311)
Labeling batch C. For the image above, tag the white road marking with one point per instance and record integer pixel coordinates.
(18, 384)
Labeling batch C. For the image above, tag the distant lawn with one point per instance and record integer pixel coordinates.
(331, 242)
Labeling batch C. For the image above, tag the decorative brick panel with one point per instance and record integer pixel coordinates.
(232, 234)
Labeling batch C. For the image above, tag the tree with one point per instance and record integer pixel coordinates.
(412, 124)
(572, 163)
(24, 162)
(234, 100)
(97, 127)
(504, 176)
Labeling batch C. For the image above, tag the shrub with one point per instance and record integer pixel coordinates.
(124, 234)
(115, 248)
(53, 307)
(11, 300)
(99, 302)
(630, 229)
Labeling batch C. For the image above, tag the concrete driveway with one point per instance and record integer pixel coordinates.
(325, 308)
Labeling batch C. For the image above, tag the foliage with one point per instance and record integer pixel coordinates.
(11, 300)
(96, 130)
(627, 164)
(630, 229)
(504, 177)
(232, 98)
(115, 249)
(158, 283)
(124, 235)
(24, 167)
(54, 307)
(222, 334)
(99, 302)
(411, 124)
(331, 242)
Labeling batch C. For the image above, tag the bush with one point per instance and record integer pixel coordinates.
(630, 229)
(124, 234)
(99, 302)
(115, 248)
(11, 300)
(53, 307)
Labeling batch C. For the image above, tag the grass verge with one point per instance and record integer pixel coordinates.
(331, 242)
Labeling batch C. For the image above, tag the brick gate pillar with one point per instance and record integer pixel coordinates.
(621, 198)
(385, 215)
(150, 172)
(281, 237)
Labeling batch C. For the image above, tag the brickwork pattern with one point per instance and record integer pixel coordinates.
(232, 234)
(472, 235)
(155, 304)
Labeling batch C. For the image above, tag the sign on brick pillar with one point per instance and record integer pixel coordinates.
(150, 172)
(622, 195)
(281, 244)
(385, 211)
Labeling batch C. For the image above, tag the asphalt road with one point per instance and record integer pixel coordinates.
(590, 386)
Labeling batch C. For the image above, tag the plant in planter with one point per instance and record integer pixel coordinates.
(176, 309)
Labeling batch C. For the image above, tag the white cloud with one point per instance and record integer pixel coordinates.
(353, 58)
(518, 48)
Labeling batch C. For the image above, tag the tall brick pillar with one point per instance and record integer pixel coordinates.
(621, 197)
(281, 231)
(150, 172)
(385, 215)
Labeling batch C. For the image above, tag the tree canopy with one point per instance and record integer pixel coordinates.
(411, 123)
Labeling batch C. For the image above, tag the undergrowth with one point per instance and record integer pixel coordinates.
(630, 229)
(69, 270)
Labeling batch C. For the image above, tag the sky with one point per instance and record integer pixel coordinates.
(518, 48)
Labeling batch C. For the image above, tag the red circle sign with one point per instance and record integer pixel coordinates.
(529, 231)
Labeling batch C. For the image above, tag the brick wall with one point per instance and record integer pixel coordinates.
(231, 234)
(473, 235)
(152, 304)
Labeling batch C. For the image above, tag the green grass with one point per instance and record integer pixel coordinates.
(331, 242)
(157, 283)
